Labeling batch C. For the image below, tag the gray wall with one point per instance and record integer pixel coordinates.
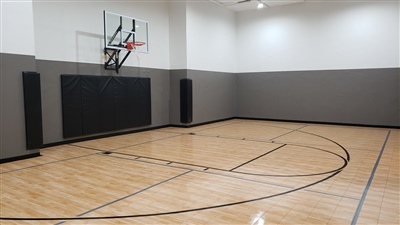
(214, 95)
(360, 96)
(12, 114)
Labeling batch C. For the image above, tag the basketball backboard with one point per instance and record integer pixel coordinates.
(120, 30)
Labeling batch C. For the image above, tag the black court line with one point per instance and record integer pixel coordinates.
(113, 149)
(239, 178)
(343, 148)
(43, 164)
(371, 177)
(282, 135)
(232, 138)
(130, 195)
(334, 195)
(245, 173)
(287, 133)
(334, 173)
(222, 125)
(320, 145)
(174, 212)
(203, 171)
(271, 175)
(257, 158)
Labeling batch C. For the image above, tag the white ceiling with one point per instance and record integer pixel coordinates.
(243, 5)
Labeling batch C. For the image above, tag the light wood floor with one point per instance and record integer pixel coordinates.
(231, 172)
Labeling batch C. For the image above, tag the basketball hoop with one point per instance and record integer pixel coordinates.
(132, 45)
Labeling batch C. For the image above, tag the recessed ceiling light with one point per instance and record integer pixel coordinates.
(260, 5)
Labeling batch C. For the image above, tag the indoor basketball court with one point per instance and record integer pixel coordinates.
(200, 112)
(230, 172)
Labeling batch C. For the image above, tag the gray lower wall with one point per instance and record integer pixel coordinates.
(12, 114)
(214, 95)
(359, 96)
(364, 96)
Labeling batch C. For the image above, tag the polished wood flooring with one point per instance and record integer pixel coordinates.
(230, 172)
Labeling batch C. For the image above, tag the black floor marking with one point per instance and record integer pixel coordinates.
(239, 178)
(371, 177)
(256, 158)
(223, 125)
(343, 148)
(335, 195)
(133, 194)
(204, 171)
(96, 149)
(43, 164)
(335, 172)
(172, 212)
(253, 174)
(272, 139)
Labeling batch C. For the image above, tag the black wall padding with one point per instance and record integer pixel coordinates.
(97, 104)
(33, 110)
(186, 100)
(121, 109)
(71, 105)
(107, 104)
(145, 101)
(137, 92)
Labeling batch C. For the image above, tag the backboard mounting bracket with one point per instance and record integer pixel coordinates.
(122, 33)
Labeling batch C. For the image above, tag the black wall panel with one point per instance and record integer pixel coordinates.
(140, 96)
(97, 104)
(134, 99)
(145, 101)
(71, 105)
(105, 110)
(186, 100)
(90, 103)
(33, 110)
(122, 110)
(111, 103)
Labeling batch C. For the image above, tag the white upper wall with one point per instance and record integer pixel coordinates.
(177, 35)
(203, 36)
(319, 36)
(211, 37)
(16, 27)
(68, 30)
